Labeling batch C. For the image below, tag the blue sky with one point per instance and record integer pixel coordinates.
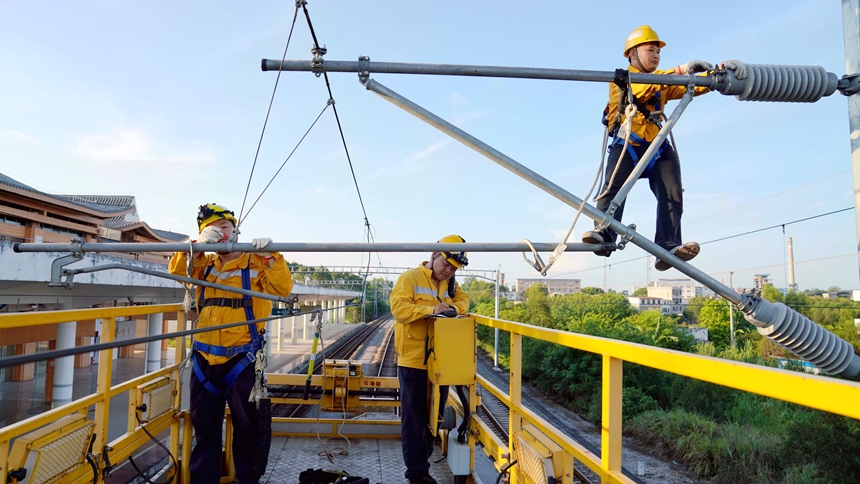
(166, 101)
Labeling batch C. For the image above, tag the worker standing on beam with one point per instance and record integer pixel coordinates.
(229, 364)
(647, 101)
(419, 294)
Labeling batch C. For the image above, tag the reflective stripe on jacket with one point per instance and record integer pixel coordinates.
(646, 93)
(269, 274)
(413, 298)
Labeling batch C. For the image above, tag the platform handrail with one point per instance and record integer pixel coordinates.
(820, 392)
(134, 437)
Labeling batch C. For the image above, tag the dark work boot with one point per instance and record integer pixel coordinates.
(592, 237)
(684, 252)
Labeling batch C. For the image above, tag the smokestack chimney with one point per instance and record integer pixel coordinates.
(792, 286)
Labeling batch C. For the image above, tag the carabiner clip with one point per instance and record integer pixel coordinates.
(538, 263)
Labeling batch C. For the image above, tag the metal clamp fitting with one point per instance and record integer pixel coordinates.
(363, 68)
(849, 84)
(317, 59)
(625, 237)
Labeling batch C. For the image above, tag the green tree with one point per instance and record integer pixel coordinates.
(641, 292)
(715, 316)
(694, 307)
(592, 290)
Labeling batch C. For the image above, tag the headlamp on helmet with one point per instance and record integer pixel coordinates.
(456, 259)
(212, 212)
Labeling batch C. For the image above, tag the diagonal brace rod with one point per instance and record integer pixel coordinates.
(551, 188)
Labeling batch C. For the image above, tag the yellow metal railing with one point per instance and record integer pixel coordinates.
(823, 393)
(134, 437)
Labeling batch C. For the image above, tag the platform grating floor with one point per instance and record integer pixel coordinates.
(381, 461)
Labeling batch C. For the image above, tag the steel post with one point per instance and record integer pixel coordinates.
(851, 35)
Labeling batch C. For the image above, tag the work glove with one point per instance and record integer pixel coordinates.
(739, 67)
(693, 66)
(261, 242)
(210, 235)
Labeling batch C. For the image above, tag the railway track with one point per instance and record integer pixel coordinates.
(344, 350)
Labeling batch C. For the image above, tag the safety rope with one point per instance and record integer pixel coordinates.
(266, 121)
(630, 111)
(285, 162)
(321, 51)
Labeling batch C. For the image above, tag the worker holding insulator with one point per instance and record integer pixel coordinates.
(633, 116)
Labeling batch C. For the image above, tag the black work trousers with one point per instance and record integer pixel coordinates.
(416, 438)
(665, 181)
(207, 416)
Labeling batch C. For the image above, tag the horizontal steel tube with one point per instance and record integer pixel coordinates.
(177, 278)
(301, 247)
(485, 71)
(550, 187)
(47, 355)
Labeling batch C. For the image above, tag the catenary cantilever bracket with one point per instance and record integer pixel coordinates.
(58, 265)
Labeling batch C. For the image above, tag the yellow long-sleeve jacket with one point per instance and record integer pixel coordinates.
(412, 300)
(269, 274)
(647, 95)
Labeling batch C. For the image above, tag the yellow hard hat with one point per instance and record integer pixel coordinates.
(642, 35)
(457, 259)
(211, 212)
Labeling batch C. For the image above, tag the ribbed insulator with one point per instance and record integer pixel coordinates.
(800, 84)
(800, 335)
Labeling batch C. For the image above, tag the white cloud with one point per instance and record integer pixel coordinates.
(458, 100)
(426, 152)
(135, 146)
(21, 136)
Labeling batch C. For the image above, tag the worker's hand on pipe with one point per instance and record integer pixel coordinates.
(739, 67)
(210, 235)
(693, 66)
(261, 242)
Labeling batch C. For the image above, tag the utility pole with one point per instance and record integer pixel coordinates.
(496, 340)
(851, 37)
(731, 315)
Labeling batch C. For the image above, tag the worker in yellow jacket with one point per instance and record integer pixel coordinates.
(224, 360)
(419, 294)
(642, 50)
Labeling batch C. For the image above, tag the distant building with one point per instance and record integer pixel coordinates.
(649, 303)
(553, 286)
(761, 280)
(839, 294)
(699, 333)
(672, 294)
(689, 287)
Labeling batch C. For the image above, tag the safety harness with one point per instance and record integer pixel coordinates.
(652, 115)
(249, 350)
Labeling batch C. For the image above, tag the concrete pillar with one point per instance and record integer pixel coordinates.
(64, 368)
(154, 326)
(304, 326)
(294, 332)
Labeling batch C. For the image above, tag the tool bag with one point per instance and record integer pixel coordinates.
(319, 476)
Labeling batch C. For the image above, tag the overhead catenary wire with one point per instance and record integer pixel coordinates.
(266, 121)
(369, 233)
(285, 162)
(717, 240)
